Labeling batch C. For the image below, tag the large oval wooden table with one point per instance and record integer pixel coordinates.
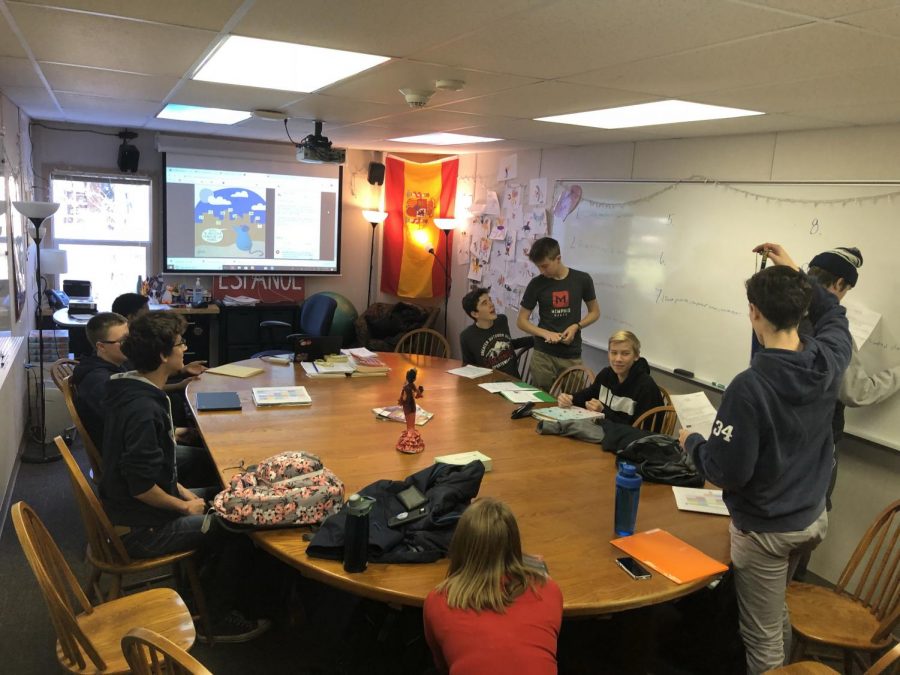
(561, 490)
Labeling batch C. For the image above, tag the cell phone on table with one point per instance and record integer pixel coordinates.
(633, 568)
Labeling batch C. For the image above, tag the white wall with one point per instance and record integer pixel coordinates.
(869, 475)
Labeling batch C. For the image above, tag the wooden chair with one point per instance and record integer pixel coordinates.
(93, 454)
(861, 612)
(571, 380)
(89, 637)
(424, 341)
(523, 363)
(150, 653)
(666, 397)
(106, 553)
(815, 668)
(61, 369)
(659, 420)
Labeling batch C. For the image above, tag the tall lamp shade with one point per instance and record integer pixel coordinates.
(54, 261)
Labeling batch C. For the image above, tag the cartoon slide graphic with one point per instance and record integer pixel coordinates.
(229, 223)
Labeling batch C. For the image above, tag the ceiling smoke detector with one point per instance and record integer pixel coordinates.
(417, 98)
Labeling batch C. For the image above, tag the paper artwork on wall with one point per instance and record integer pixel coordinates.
(512, 198)
(523, 248)
(491, 204)
(535, 224)
(498, 231)
(462, 239)
(537, 192)
(519, 273)
(475, 269)
(508, 168)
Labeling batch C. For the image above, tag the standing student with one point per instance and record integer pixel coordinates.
(492, 614)
(557, 292)
(624, 390)
(487, 342)
(771, 447)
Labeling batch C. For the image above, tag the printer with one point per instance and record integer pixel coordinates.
(79, 294)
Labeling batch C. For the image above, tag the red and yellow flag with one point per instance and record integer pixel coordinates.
(415, 194)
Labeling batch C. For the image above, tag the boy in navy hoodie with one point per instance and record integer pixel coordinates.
(771, 447)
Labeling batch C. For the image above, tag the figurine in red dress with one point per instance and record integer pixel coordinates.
(410, 440)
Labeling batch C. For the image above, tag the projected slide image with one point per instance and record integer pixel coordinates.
(229, 223)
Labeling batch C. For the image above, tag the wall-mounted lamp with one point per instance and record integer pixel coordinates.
(37, 213)
(374, 218)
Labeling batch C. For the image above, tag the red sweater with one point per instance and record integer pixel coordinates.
(520, 642)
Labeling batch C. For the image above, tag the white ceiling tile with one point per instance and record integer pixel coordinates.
(85, 40)
(886, 21)
(562, 39)
(112, 111)
(18, 73)
(799, 54)
(34, 99)
(740, 125)
(232, 97)
(339, 111)
(547, 98)
(114, 84)
(383, 83)
(396, 28)
(885, 112)
(824, 9)
(9, 43)
(207, 14)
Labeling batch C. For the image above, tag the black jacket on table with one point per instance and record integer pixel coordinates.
(449, 490)
(90, 377)
(771, 444)
(624, 401)
(138, 451)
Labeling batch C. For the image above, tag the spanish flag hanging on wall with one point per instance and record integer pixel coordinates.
(415, 194)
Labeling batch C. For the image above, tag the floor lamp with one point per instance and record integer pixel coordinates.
(445, 225)
(37, 213)
(375, 218)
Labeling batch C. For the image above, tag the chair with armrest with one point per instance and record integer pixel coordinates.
(316, 317)
(659, 420)
(666, 397)
(60, 370)
(880, 667)
(573, 379)
(523, 362)
(860, 614)
(106, 553)
(88, 637)
(149, 653)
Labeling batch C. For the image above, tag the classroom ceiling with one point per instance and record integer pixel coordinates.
(808, 64)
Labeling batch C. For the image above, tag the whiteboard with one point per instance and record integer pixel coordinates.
(669, 261)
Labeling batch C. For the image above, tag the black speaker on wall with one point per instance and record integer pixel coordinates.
(129, 156)
(376, 173)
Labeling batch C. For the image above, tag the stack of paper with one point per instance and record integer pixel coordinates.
(395, 413)
(555, 413)
(518, 392)
(471, 372)
(275, 396)
(239, 301)
(695, 412)
(700, 500)
(463, 458)
(232, 370)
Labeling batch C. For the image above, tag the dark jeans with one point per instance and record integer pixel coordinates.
(225, 558)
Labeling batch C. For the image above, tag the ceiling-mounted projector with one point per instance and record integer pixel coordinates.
(316, 149)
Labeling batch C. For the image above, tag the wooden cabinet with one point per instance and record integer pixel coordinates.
(240, 335)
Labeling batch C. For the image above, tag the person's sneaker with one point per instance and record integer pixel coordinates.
(235, 627)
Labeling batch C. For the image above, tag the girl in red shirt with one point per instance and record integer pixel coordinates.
(492, 614)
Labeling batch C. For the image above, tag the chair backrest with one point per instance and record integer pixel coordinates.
(885, 662)
(872, 576)
(61, 369)
(59, 587)
(317, 314)
(659, 420)
(93, 454)
(666, 397)
(149, 653)
(424, 341)
(571, 380)
(523, 363)
(105, 546)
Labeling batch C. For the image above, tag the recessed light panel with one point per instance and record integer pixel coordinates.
(442, 138)
(647, 114)
(251, 62)
(193, 113)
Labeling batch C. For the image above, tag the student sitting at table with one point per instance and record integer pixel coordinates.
(131, 305)
(140, 488)
(624, 390)
(492, 614)
(487, 342)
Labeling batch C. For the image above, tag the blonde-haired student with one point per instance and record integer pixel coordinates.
(492, 614)
(624, 390)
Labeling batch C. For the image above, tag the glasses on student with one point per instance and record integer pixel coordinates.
(180, 343)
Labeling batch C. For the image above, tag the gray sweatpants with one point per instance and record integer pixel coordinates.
(764, 563)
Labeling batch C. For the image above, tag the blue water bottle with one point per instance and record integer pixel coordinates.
(628, 494)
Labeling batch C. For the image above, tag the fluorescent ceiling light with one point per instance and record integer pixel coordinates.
(442, 138)
(647, 114)
(267, 64)
(194, 113)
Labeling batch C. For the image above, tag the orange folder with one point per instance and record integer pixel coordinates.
(668, 555)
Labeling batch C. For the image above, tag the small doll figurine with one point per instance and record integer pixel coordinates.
(410, 440)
